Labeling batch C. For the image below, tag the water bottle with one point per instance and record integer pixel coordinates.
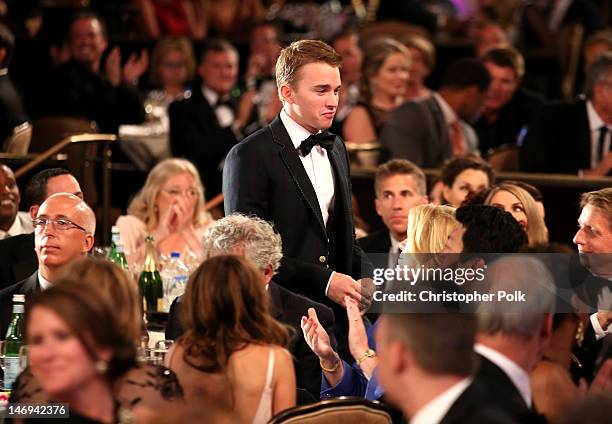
(13, 342)
(116, 253)
(174, 276)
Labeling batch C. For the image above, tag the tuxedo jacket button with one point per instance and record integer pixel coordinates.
(322, 259)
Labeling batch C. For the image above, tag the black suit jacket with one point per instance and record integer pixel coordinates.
(500, 391)
(12, 112)
(195, 134)
(514, 116)
(558, 140)
(470, 408)
(28, 286)
(17, 259)
(288, 308)
(376, 246)
(264, 176)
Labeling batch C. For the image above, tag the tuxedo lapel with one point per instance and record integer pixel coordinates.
(294, 165)
(340, 173)
(276, 307)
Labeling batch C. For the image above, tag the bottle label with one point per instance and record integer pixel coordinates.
(18, 308)
(11, 371)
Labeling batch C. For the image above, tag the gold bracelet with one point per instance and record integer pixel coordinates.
(334, 368)
(370, 353)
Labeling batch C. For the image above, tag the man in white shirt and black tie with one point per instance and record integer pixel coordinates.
(296, 174)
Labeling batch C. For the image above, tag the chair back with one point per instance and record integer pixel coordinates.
(504, 158)
(343, 410)
(18, 141)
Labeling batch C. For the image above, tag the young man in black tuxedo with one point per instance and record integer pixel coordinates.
(296, 174)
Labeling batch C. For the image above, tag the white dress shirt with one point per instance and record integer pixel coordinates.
(515, 373)
(595, 123)
(21, 225)
(44, 283)
(434, 411)
(225, 114)
(316, 165)
(394, 252)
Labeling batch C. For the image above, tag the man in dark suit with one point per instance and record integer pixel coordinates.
(63, 231)
(17, 256)
(574, 137)
(426, 366)
(509, 108)
(512, 336)
(256, 239)
(429, 131)
(282, 174)
(86, 87)
(201, 127)
(12, 112)
(399, 185)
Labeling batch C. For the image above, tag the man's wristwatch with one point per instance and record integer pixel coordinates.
(370, 353)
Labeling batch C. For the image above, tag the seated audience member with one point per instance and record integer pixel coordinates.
(509, 108)
(535, 193)
(574, 137)
(596, 44)
(488, 36)
(522, 206)
(231, 361)
(256, 240)
(463, 175)
(63, 231)
(423, 60)
(171, 72)
(485, 229)
(87, 87)
(12, 221)
(73, 328)
(201, 127)
(429, 131)
(384, 75)
(399, 186)
(426, 367)
(511, 339)
(260, 103)
(594, 242)
(12, 111)
(428, 228)
(141, 385)
(170, 207)
(346, 44)
(17, 256)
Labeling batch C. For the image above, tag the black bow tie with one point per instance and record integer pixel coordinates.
(324, 139)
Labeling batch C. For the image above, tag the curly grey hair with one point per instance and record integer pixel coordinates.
(257, 238)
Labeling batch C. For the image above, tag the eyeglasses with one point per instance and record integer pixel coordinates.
(175, 192)
(61, 224)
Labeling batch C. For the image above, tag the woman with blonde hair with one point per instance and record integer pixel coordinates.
(523, 208)
(170, 207)
(428, 229)
(231, 359)
(423, 54)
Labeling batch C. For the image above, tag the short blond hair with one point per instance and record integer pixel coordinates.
(536, 227)
(429, 227)
(300, 53)
(143, 204)
(601, 199)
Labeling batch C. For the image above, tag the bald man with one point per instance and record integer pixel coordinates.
(63, 231)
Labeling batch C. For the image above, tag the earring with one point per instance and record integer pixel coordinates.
(101, 366)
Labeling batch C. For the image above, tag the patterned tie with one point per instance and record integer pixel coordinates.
(458, 144)
(324, 139)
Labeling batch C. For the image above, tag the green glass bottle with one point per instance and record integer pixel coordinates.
(150, 282)
(116, 253)
(13, 342)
